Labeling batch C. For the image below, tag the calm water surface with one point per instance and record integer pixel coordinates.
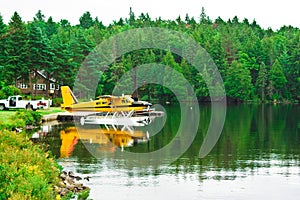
(256, 157)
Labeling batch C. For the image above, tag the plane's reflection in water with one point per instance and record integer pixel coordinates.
(106, 139)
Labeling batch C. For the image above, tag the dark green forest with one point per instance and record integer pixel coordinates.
(256, 64)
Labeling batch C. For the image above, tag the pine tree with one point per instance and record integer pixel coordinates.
(39, 21)
(80, 48)
(131, 19)
(238, 82)
(65, 23)
(64, 66)
(171, 78)
(261, 82)
(16, 47)
(203, 17)
(277, 78)
(202, 78)
(3, 36)
(86, 21)
(289, 59)
(99, 24)
(51, 27)
(40, 54)
(39, 16)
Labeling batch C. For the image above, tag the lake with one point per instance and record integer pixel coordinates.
(257, 156)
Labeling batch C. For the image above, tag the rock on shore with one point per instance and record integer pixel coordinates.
(69, 183)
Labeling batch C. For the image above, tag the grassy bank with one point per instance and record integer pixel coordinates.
(50, 110)
(26, 171)
(7, 115)
(19, 119)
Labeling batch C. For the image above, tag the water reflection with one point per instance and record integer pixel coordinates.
(102, 139)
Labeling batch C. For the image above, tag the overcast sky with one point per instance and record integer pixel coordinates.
(267, 13)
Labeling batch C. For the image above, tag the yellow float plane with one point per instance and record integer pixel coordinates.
(105, 103)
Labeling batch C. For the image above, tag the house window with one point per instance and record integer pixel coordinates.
(23, 86)
(39, 87)
(52, 86)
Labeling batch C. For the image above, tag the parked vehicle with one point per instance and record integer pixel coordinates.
(15, 102)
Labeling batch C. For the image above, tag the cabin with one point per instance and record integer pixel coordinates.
(43, 86)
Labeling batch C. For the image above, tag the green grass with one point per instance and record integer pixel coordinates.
(6, 114)
(51, 110)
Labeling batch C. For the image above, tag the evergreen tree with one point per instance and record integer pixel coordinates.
(171, 78)
(86, 21)
(204, 19)
(277, 78)
(238, 82)
(51, 27)
(65, 23)
(231, 47)
(202, 78)
(215, 50)
(16, 48)
(261, 82)
(39, 16)
(2, 27)
(63, 65)
(99, 24)
(80, 47)
(235, 20)
(39, 21)
(131, 19)
(3, 31)
(293, 69)
(40, 54)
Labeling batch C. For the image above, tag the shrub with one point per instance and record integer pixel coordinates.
(9, 91)
(83, 194)
(38, 97)
(12, 124)
(20, 119)
(28, 116)
(2, 95)
(57, 102)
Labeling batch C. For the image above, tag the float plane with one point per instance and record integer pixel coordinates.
(105, 103)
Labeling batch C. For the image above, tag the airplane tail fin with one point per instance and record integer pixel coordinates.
(68, 97)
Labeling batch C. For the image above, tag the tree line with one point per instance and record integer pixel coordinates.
(255, 63)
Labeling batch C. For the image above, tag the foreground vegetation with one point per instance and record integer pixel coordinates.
(255, 63)
(26, 172)
(12, 119)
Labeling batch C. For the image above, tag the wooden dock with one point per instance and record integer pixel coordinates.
(62, 117)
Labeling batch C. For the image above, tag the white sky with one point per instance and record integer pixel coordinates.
(267, 13)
